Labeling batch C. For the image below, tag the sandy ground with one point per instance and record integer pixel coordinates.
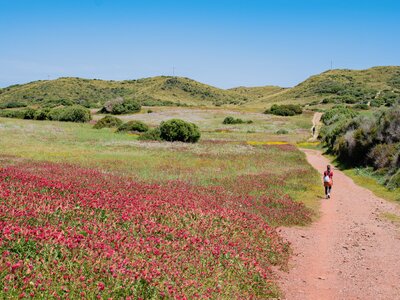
(351, 252)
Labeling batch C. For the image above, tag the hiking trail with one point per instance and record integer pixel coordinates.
(351, 251)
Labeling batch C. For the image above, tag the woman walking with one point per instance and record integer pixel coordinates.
(328, 181)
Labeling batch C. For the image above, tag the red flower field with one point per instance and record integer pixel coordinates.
(68, 232)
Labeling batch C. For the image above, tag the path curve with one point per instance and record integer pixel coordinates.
(351, 252)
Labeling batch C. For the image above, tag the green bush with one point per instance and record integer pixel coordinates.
(120, 106)
(362, 106)
(42, 114)
(133, 126)
(370, 140)
(74, 113)
(282, 131)
(232, 120)
(29, 114)
(179, 130)
(17, 114)
(285, 110)
(151, 135)
(12, 104)
(108, 122)
(337, 113)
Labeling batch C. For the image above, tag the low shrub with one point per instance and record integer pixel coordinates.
(361, 106)
(108, 122)
(282, 131)
(120, 106)
(133, 126)
(42, 114)
(12, 104)
(74, 113)
(151, 135)
(17, 114)
(285, 110)
(232, 120)
(179, 130)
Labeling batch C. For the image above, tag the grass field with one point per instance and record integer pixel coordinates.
(103, 213)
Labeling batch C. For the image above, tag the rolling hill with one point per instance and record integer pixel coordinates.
(378, 84)
(159, 90)
(344, 86)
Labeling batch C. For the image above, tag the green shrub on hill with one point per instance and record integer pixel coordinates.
(12, 104)
(108, 122)
(16, 114)
(179, 130)
(285, 110)
(133, 126)
(120, 106)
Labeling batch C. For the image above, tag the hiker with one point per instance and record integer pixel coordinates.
(328, 181)
(313, 131)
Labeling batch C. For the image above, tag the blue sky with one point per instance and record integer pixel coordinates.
(225, 43)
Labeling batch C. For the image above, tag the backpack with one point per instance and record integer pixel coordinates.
(327, 179)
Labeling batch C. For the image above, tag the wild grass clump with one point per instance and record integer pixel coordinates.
(285, 110)
(108, 122)
(232, 120)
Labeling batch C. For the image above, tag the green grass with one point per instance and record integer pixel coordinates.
(395, 219)
(364, 179)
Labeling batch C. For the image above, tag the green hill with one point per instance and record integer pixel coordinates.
(160, 90)
(345, 86)
(375, 86)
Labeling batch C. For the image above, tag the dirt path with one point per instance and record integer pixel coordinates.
(316, 123)
(351, 252)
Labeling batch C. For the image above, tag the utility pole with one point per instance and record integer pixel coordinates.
(173, 70)
(331, 64)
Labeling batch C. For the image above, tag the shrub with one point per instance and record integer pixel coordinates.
(42, 114)
(179, 130)
(151, 135)
(133, 126)
(29, 113)
(75, 113)
(282, 131)
(108, 122)
(17, 114)
(120, 106)
(336, 113)
(362, 106)
(232, 120)
(285, 110)
(12, 104)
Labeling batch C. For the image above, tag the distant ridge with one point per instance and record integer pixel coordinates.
(169, 90)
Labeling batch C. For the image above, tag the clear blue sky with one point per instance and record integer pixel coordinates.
(225, 43)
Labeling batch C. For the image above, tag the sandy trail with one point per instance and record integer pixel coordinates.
(351, 252)
(316, 123)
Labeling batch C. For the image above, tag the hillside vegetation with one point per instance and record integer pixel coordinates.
(373, 87)
(365, 140)
(94, 93)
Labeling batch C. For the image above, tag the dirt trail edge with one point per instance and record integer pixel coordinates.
(351, 252)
